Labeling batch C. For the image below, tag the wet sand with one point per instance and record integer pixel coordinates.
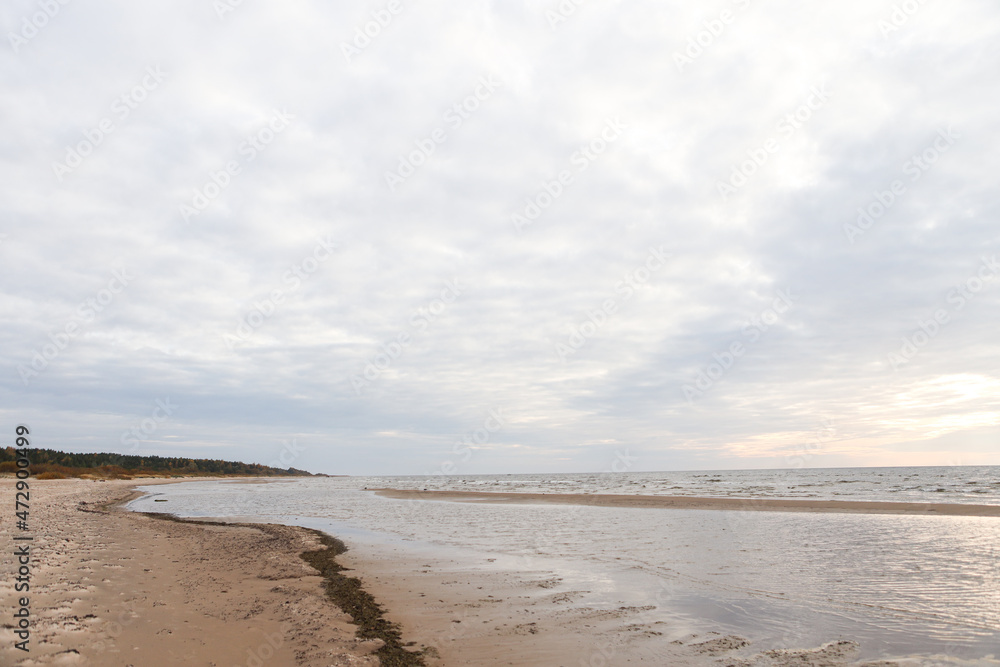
(697, 503)
(465, 614)
(495, 614)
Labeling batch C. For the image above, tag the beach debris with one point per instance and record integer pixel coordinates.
(831, 654)
(526, 629)
(716, 646)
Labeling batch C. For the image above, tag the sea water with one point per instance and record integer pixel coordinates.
(977, 485)
(901, 585)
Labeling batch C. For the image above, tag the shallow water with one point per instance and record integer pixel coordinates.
(900, 585)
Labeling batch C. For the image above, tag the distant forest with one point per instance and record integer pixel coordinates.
(53, 464)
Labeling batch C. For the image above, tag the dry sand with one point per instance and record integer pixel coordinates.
(696, 503)
(117, 588)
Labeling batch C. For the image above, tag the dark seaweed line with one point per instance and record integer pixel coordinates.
(345, 592)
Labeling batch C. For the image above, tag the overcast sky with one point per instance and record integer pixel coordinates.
(400, 237)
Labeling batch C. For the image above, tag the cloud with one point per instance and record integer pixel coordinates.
(803, 118)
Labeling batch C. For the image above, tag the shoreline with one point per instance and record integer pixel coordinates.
(121, 588)
(114, 587)
(697, 502)
(345, 592)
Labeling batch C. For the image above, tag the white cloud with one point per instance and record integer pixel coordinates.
(494, 345)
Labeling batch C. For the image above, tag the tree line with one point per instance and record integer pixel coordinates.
(53, 460)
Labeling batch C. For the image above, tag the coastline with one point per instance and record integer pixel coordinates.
(121, 588)
(115, 587)
(698, 503)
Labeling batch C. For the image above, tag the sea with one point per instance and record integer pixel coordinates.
(917, 586)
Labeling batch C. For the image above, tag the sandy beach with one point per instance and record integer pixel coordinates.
(112, 587)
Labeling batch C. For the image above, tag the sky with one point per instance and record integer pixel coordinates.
(401, 237)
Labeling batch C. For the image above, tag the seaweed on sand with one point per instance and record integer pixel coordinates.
(346, 593)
